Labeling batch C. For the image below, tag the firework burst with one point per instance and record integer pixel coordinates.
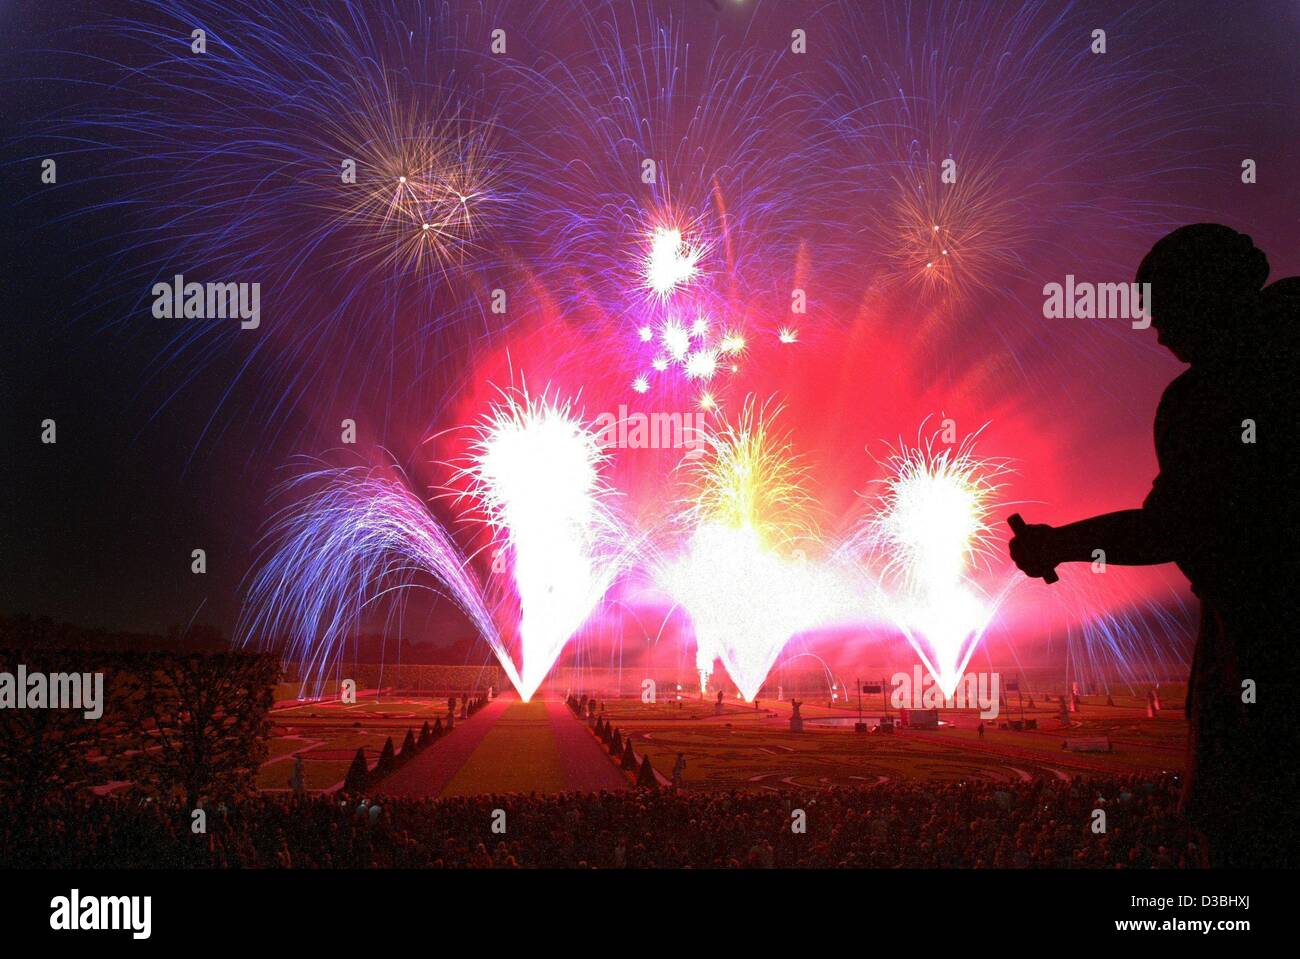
(745, 578)
(935, 516)
(929, 530)
(536, 475)
(750, 478)
(350, 159)
(426, 183)
(678, 207)
(951, 122)
(350, 538)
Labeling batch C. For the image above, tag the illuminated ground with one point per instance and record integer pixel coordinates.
(508, 746)
(327, 736)
(516, 747)
(755, 749)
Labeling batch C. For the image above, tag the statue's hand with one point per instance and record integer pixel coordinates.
(1035, 550)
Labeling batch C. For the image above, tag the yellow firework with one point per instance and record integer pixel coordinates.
(953, 238)
(935, 511)
(424, 182)
(743, 577)
(748, 478)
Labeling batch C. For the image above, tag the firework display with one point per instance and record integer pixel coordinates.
(437, 208)
(352, 537)
(647, 434)
(769, 240)
(744, 577)
(931, 527)
(536, 478)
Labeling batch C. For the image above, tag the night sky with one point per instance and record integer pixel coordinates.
(175, 436)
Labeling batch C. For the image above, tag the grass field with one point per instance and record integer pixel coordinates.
(328, 734)
(746, 747)
(517, 755)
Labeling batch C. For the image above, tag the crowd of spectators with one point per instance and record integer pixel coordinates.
(892, 825)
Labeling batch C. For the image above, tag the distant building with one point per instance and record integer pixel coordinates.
(921, 718)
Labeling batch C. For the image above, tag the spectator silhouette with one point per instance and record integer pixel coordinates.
(888, 825)
(1223, 507)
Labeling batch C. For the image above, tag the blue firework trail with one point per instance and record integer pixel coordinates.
(351, 538)
(228, 165)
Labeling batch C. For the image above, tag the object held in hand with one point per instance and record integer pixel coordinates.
(1017, 524)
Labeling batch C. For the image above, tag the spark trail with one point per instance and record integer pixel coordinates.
(353, 537)
(744, 577)
(931, 528)
(536, 478)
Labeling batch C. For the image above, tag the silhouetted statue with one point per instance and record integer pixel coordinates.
(297, 781)
(1224, 508)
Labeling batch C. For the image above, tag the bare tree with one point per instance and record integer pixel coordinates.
(203, 720)
(45, 749)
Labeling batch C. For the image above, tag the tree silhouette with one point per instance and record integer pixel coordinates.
(358, 773)
(202, 719)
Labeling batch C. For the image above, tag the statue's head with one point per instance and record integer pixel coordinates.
(1205, 283)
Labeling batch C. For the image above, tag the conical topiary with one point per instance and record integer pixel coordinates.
(387, 757)
(645, 778)
(358, 773)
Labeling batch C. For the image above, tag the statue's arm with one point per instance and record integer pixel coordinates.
(1131, 537)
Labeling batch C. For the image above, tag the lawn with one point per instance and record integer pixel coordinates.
(328, 734)
(745, 748)
(517, 755)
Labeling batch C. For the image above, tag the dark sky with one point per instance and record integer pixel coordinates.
(98, 528)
